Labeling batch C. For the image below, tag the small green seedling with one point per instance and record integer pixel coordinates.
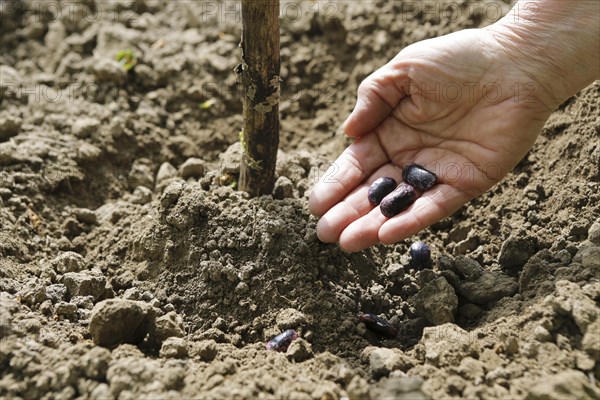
(205, 105)
(127, 59)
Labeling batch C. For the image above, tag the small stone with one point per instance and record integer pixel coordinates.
(490, 287)
(86, 283)
(594, 233)
(192, 168)
(383, 361)
(398, 201)
(419, 177)
(174, 347)
(568, 384)
(68, 262)
(437, 302)
(117, 321)
(169, 325)
(84, 127)
(468, 267)
(166, 171)
(283, 189)
(299, 350)
(515, 252)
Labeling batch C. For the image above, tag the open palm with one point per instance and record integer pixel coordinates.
(454, 104)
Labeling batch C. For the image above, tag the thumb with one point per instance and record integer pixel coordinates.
(377, 96)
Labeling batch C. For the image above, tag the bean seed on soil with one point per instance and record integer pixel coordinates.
(420, 255)
(282, 341)
(378, 325)
(381, 188)
(419, 177)
(399, 200)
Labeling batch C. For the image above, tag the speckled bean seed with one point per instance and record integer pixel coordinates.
(419, 177)
(282, 341)
(399, 200)
(381, 188)
(378, 325)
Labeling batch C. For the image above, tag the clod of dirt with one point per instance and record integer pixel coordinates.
(207, 350)
(289, 318)
(589, 258)
(383, 361)
(108, 70)
(468, 268)
(10, 125)
(84, 127)
(168, 325)
(490, 287)
(95, 362)
(174, 347)
(68, 262)
(594, 233)
(515, 252)
(569, 384)
(299, 350)
(437, 302)
(283, 189)
(121, 321)
(401, 388)
(86, 283)
(192, 168)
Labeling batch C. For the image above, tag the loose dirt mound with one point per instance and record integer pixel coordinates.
(131, 267)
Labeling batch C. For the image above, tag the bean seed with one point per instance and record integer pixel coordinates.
(378, 325)
(419, 177)
(420, 256)
(381, 188)
(399, 200)
(282, 341)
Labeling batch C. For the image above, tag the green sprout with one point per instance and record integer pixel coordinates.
(207, 104)
(127, 59)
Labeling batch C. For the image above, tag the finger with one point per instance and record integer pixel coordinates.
(357, 162)
(363, 232)
(439, 202)
(377, 96)
(352, 207)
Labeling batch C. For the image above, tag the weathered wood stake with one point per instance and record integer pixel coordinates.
(260, 77)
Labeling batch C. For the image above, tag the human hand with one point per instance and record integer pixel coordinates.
(458, 105)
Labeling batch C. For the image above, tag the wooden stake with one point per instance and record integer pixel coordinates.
(260, 76)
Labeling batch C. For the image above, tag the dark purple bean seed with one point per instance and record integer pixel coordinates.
(381, 188)
(399, 200)
(420, 255)
(419, 177)
(282, 341)
(378, 325)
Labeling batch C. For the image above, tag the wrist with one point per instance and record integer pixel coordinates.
(556, 43)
